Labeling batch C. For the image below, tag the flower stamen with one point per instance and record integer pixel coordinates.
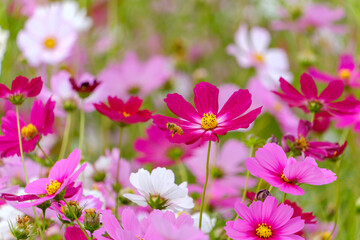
(345, 74)
(52, 187)
(209, 121)
(29, 131)
(50, 43)
(264, 231)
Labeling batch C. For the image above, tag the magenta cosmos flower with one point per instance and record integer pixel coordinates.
(264, 220)
(61, 175)
(124, 113)
(41, 121)
(310, 101)
(300, 144)
(271, 164)
(346, 72)
(157, 150)
(206, 122)
(21, 88)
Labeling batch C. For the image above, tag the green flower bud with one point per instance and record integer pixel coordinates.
(22, 228)
(91, 220)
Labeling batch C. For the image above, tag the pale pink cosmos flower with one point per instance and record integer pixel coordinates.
(251, 49)
(271, 164)
(264, 220)
(46, 39)
(131, 77)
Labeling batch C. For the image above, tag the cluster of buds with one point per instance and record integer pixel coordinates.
(92, 220)
(22, 228)
(71, 210)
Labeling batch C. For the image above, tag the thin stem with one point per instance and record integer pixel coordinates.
(312, 117)
(247, 176)
(204, 189)
(77, 220)
(259, 185)
(82, 127)
(182, 170)
(46, 156)
(284, 198)
(23, 163)
(118, 171)
(66, 135)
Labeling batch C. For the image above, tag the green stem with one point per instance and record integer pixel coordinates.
(312, 117)
(46, 156)
(82, 127)
(204, 189)
(284, 198)
(182, 170)
(247, 176)
(77, 220)
(23, 163)
(259, 185)
(118, 171)
(66, 135)
(270, 188)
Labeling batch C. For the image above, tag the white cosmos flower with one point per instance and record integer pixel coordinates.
(159, 190)
(4, 35)
(207, 223)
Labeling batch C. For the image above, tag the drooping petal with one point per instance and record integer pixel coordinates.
(206, 98)
(4, 91)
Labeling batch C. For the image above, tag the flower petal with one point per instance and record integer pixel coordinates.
(180, 107)
(238, 103)
(308, 86)
(206, 98)
(333, 91)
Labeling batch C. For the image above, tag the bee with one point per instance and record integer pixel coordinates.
(174, 129)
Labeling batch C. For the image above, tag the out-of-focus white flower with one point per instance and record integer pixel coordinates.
(7, 213)
(207, 223)
(159, 190)
(251, 50)
(4, 35)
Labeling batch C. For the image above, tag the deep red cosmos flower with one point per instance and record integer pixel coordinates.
(41, 122)
(205, 121)
(124, 113)
(21, 89)
(310, 101)
(84, 87)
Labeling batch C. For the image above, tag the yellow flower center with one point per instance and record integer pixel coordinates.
(263, 231)
(285, 178)
(52, 187)
(301, 143)
(126, 114)
(345, 74)
(325, 235)
(140, 238)
(50, 42)
(29, 131)
(208, 121)
(259, 57)
(278, 106)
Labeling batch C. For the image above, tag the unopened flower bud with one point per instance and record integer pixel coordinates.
(72, 209)
(307, 59)
(91, 220)
(22, 228)
(262, 195)
(99, 176)
(272, 139)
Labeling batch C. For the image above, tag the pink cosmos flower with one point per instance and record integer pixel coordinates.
(308, 217)
(61, 175)
(312, 16)
(251, 50)
(351, 120)
(42, 119)
(135, 78)
(205, 122)
(310, 101)
(74, 233)
(264, 220)
(157, 150)
(124, 113)
(47, 38)
(300, 144)
(157, 226)
(21, 88)
(346, 72)
(271, 164)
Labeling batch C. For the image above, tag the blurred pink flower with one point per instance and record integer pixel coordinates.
(42, 120)
(312, 16)
(205, 122)
(271, 164)
(346, 72)
(251, 50)
(264, 220)
(134, 78)
(311, 101)
(158, 151)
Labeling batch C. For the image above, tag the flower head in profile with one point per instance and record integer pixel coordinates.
(264, 220)
(206, 122)
(159, 191)
(311, 101)
(271, 164)
(41, 122)
(346, 72)
(157, 150)
(61, 175)
(124, 113)
(21, 88)
(301, 144)
(85, 86)
(251, 50)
